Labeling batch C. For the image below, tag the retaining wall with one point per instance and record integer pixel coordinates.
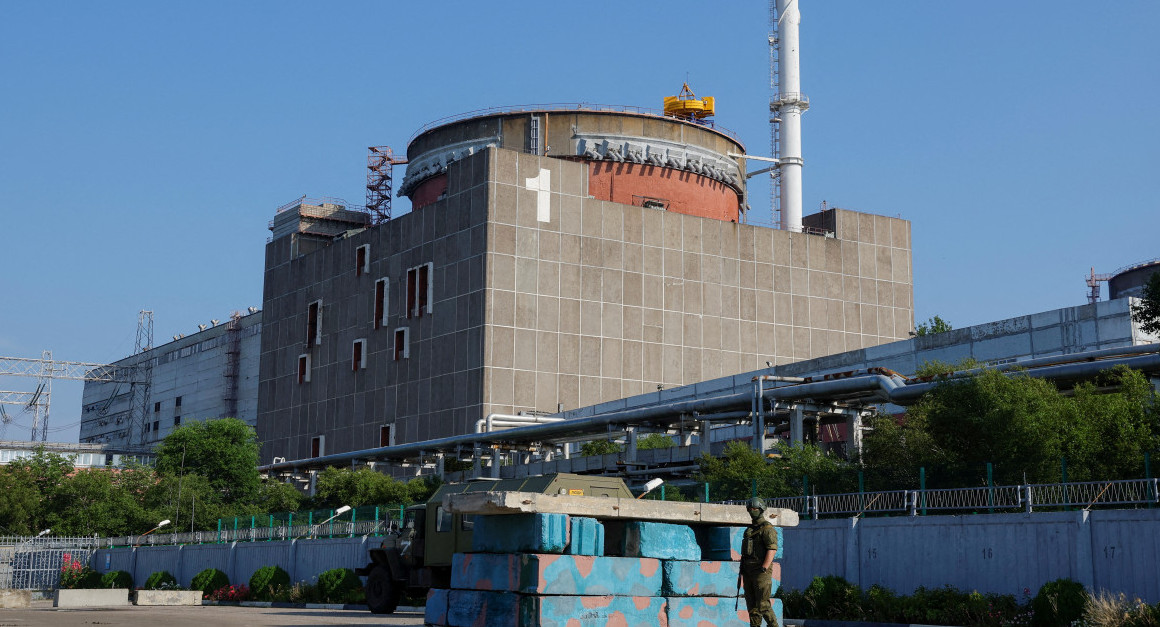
(1005, 553)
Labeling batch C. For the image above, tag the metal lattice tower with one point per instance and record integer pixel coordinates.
(142, 379)
(774, 120)
(45, 370)
(380, 166)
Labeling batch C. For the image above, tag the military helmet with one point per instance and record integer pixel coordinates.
(755, 502)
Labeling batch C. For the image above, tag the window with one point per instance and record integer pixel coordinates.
(467, 522)
(420, 291)
(318, 446)
(314, 323)
(443, 519)
(402, 343)
(359, 355)
(362, 260)
(148, 426)
(304, 369)
(381, 302)
(177, 421)
(156, 407)
(177, 403)
(156, 426)
(385, 438)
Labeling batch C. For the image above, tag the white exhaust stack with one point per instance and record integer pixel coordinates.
(786, 107)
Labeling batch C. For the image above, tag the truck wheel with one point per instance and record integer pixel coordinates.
(382, 593)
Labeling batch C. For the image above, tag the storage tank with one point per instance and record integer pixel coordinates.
(1130, 281)
(634, 157)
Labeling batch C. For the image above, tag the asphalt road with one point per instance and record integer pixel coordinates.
(193, 616)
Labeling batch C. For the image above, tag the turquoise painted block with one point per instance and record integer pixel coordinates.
(724, 543)
(550, 574)
(591, 611)
(435, 610)
(716, 611)
(587, 537)
(660, 540)
(706, 578)
(520, 533)
(472, 608)
(721, 543)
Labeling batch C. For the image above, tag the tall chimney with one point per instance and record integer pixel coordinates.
(786, 108)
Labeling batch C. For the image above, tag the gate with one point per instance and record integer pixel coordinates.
(34, 563)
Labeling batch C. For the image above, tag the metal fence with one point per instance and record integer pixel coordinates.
(984, 500)
(34, 563)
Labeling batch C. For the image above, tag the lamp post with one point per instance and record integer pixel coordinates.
(338, 512)
(159, 525)
(650, 486)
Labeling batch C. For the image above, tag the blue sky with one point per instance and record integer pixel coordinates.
(144, 146)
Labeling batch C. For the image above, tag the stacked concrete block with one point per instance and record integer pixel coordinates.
(546, 570)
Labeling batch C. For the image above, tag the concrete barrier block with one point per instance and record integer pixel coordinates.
(520, 533)
(660, 540)
(549, 574)
(707, 578)
(13, 599)
(91, 597)
(587, 537)
(720, 543)
(435, 610)
(717, 611)
(467, 608)
(585, 611)
(167, 597)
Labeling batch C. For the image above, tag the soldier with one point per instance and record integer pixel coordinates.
(757, 552)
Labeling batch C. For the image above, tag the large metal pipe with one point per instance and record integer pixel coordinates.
(866, 388)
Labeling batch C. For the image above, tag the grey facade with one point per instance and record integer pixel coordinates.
(534, 311)
(209, 374)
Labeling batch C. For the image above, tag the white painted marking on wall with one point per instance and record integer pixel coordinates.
(542, 184)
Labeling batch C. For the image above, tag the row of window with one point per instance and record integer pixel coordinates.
(418, 295)
(176, 405)
(318, 442)
(358, 354)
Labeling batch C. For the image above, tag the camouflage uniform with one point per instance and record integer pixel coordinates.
(759, 538)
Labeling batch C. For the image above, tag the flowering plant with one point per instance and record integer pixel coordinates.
(76, 574)
(240, 592)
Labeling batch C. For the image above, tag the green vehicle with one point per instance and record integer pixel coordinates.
(417, 556)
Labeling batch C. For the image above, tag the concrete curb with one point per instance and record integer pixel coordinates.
(354, 607)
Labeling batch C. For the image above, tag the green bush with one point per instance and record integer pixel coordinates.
(266, 580)
(1058, 604)
(338, 585)
(833, 598)
(209, 580)
(117, 579)
(161, 580)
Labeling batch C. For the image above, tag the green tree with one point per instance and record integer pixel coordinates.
(934, 325)
(732, 475)
(336, 487)
(19, 509)
(654, 440)
(224, 451)
(600, 447)
(1147, 313)
(102, 502)
(276, 496)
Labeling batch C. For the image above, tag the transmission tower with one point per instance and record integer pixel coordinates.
(142, 379)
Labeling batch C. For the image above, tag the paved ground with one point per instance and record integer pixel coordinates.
(42, 613)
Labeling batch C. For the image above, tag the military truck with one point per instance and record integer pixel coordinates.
(416, 555)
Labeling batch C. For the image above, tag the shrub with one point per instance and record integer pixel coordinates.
(161, 580)
(209, 580)
(303, 592)
(1114, 610)
(76, 574)
(230, 593)
(338, 585)
(834, 598)
(117, 579)
(266, 579)
(1058, 604)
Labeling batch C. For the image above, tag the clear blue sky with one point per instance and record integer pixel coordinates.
(145, 145)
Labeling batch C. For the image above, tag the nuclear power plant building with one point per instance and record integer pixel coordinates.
(552, 259)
